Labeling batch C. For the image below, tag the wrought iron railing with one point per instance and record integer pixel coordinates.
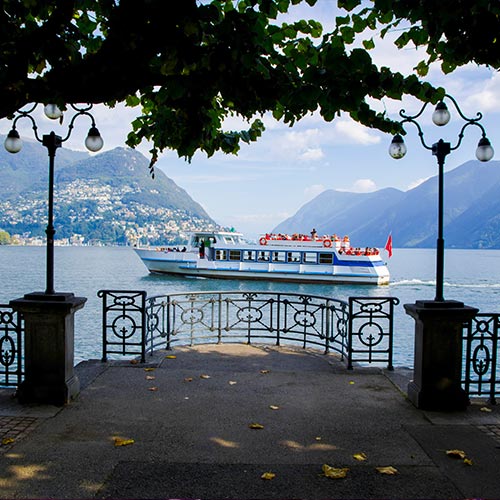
(216, 317)
(123, 323)
(481, 373)
(371, 330)
(360, 330)
(11, 347)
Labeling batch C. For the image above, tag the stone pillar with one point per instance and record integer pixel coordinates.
(436, 383)
(48, 347)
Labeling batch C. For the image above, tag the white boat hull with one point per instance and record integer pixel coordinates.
(190, 264)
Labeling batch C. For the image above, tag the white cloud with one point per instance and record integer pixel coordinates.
(311, 192)
(364, 186)
(486, 95)
(417, 182)
(312, 154)
(348, 131)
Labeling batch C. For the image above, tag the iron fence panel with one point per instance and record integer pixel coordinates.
(123, 322)
(371, 330)
(481, 375)
(11, 347)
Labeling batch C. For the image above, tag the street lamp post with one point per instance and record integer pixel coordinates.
(49, 376)
(52, 142)
(441, 150)
(437, 369)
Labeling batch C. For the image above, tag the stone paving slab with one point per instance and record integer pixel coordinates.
(235, 481)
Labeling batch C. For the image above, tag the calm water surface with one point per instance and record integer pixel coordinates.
(472, 276)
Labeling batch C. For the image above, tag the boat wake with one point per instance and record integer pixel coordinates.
(419, 282)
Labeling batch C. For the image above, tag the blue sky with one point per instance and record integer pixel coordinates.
(271, 179)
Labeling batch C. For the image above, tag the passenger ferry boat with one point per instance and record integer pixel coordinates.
(276, 257)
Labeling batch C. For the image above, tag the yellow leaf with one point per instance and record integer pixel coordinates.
(123, 442)
(351, 382)
(171, 356)
(134, 361)
(274, 407)
(232, 382)
(264, 372)
(150, 377)
(153, 389)
(456, 453)
(7, 441)
(389, 470)
(467, 461)
(361, 457)
(268, 475)
(485, 409)
(318, 438)
(255, 425)
(188, 379)
(205, 376)
(149, 369)
(333, 472)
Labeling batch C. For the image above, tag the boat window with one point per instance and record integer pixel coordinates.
(279, 257)
(293, 256)
(263, 256)
(234, 255)
(248, 255)
(221, 255)
(326, 258)
(310, 257)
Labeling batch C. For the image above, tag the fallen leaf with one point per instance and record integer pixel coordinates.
(123, 442)
(149, 369)
(351, 382)
(150, 377)
(268, 475)
(361, 457)
(333, 472)
(456, 453)
(467, 461)
(232, 382)
(153, 389)
(318, 438)
(134, 361)
(205, 376)
(188, 379)
(264, 372)
(171, 356)
(485, 409)
(255, 425)
(7, 441)
(274, 407)
(388, 470)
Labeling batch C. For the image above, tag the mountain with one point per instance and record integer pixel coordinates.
(471, 212)
(109, 197)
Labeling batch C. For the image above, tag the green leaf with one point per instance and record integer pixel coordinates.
(369, 44)
(422, 68)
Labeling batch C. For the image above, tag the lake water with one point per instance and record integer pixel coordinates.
(472, 276)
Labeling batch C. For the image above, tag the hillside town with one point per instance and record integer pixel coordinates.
(88, 212)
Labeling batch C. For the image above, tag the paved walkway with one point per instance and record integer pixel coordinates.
(190, 420)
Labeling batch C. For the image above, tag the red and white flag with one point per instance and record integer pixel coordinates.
(388, 245)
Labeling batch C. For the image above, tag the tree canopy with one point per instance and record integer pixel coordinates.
(190, 64)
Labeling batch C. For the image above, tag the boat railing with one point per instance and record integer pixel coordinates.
(359, 330)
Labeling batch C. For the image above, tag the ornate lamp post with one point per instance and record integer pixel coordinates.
(49, 375)
(13, 144)
(437, 370)
(441, 150)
